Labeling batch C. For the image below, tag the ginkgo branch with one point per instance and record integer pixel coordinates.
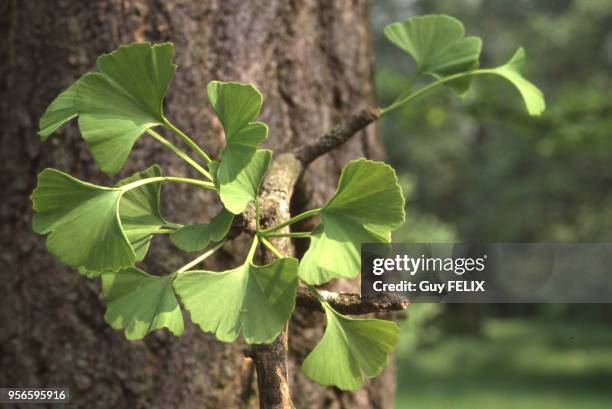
(308, 296)
(337, 136)
(350, 303)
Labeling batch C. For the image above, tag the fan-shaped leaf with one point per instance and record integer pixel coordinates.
(123, 100)
(96, 228)
(438, 45)
(237, 105)
(82, 221)
(139, 210)
(141, 303)
(256, 300)
(60, 111)
(118, 103)
(195, 237)
(366, 207)
(350, 350)
(245, 181)
(532, 96)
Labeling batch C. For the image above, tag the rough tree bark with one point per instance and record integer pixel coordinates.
(312, 61)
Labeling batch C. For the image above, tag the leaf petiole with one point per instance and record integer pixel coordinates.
(271, 247)
(251, 254)
(257, 214)
(141, 182)
(179, 153)
(187, 140)
(297, 235)
(157, 231)
(199, 259)
(301, 216)
(429, 87)
(173, 226)
(407, 87)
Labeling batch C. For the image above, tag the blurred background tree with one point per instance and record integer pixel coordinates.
(479, 169)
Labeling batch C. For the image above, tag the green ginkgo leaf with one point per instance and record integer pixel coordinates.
(245, 184)
(60, 111)
(141, 303)
(139, 210)
(195, 237)
(82, 221)
(257, 300)
(350, 350)
(532, 96)
(118, 103)
(438, 45)
(237, 105)
(366, 207)
(139, 214)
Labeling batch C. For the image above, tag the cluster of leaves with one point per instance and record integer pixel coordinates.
(440, 48)
(105, 231)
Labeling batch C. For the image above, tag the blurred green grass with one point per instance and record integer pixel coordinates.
(514, 364)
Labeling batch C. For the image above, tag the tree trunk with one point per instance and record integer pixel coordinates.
(311, 60)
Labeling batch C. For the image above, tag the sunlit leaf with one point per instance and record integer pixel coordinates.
(438, 45)
(366, 207)
(118, 103)
(139, 210)
(246, 181)
(532, 96)
(95, 228)
(254, 300)
(350, 350)
(60, 111)
(141, 303)
(195, 237)
(237, 105)
(82, 221)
